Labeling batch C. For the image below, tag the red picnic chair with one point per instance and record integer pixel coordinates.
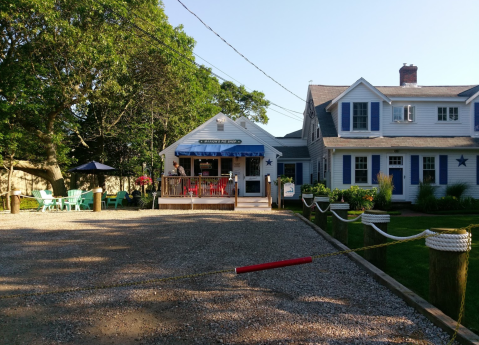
(190, 187)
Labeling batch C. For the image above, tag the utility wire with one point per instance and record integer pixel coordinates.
(174, 50)
(244, 57)
(209, 63)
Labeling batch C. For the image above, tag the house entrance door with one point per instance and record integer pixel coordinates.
(396, 170)
(252, 176)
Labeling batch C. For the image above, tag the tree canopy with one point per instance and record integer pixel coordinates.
(79, 81)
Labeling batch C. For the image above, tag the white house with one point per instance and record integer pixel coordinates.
(411, 132)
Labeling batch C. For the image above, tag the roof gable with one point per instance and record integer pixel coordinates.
(352, 87)
(252, 124)
(228, 120)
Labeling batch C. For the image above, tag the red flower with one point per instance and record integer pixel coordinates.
(143, 181)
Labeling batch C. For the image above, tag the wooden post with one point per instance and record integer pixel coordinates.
(163, 184)
(321, 219)
(279, 193)
(447, 278)
(268, 181)
(308, 198)
(97, 199)
(15, 201)
(236, 190)
(199, 186)
(340, 228)
(376, 256)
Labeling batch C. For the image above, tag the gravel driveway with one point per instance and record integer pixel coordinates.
(330, 301)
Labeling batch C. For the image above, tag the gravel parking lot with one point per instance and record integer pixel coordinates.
(330, 301)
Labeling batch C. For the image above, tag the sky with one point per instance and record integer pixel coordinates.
(331, 43)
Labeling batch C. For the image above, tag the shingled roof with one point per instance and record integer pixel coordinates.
(295, 134)
(296, 152)
(323, 95)
(402, 142)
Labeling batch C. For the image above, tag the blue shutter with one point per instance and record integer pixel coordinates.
(477, 169)
(375, 116)
(346, 116)
(299, 174)
(347, 169)
(443, 169)
(280, 169)
(476, 117)
(415, 169)
(376, 159)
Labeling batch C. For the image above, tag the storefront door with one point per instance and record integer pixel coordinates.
(252, 176)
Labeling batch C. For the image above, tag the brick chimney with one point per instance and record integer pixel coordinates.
(408, 75)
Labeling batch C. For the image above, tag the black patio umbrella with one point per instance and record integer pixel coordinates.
(92, 168)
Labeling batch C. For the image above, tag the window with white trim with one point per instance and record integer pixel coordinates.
(360, 116)
(429, 169)
(404, 113)
(317, 132)
(447, 114)
(361, 170)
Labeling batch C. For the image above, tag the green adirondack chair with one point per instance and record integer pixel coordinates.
(87, 200)
(74, 199)
(117, 200)
(44, 200)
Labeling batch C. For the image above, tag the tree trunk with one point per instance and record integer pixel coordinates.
(49, 171)
(9, 183)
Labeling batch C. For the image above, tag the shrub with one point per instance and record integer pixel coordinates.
(448, 202)
(306, 189)
(284, 179)
(425, 199)
(385, 191)
(457, 189)
(357, 198)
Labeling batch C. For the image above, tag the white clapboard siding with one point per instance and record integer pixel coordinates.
(456, 173)
(426, 123)
(259, 132)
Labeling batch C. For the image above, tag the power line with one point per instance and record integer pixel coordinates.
(244, 57)
(192, 61)
(169, 47)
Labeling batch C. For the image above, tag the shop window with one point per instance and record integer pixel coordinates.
(226, 166)
(206, 166)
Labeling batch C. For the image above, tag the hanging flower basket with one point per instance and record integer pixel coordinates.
(143, 181)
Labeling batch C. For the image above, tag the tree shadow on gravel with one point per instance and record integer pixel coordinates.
(299, 304)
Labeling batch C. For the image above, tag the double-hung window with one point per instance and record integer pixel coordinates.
(290, 171)
(360, 116)
(404, 113)
(429, 169)
(361, 170)
(447, 114)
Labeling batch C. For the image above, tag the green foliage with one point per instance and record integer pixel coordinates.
(457, 189)
(317, 189)
(284, 179)
(426, 199)
(358, 198)
(235, 102)
(385, 191)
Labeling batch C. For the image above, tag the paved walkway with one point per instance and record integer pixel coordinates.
(330, 301)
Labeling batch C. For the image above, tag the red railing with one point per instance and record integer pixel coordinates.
(197, 186)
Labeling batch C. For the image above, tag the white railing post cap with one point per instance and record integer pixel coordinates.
(307, 196)
(97, 190)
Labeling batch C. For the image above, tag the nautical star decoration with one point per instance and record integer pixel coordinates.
(462, 160)
(269, 161)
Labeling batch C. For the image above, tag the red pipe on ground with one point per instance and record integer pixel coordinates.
(275, 264)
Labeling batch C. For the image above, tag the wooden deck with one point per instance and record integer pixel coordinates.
(212, 203)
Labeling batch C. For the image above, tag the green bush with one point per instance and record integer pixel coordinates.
(357, 198)
(316, 189)
(306, 189)
(428, 203)
(385, 192)
(457, 189)
(448, 202)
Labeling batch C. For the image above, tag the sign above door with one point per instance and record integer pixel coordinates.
(220, 141)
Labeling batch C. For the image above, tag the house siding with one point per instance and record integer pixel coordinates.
(455, 173)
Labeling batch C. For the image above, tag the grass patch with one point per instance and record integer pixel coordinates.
(25, 204)
(408, 262)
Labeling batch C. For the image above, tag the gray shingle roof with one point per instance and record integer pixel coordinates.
(295, 134)
(402, 142)
(324, 94)
(293, 151)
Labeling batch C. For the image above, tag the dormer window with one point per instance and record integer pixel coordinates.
(360, 116)
(406, 113)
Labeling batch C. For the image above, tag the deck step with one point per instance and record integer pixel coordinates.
(252, 199)
(253, 208)
(252, 204)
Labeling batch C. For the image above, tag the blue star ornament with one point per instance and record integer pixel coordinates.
(269, 161)
(462, 160)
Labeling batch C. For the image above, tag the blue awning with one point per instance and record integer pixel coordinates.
(220, 150)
